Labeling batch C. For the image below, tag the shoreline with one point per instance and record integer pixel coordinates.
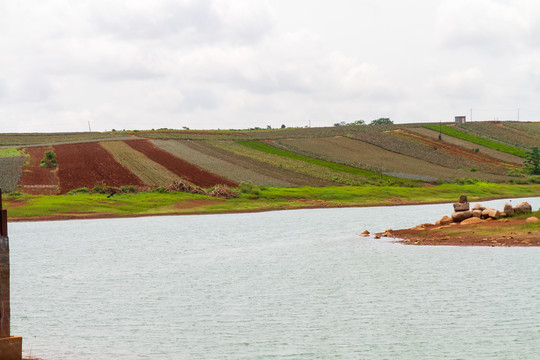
(97, 216)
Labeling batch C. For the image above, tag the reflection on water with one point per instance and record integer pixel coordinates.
(294, 284)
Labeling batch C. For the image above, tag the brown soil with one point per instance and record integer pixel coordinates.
(36, 179)
(89, 164)
(182, 168)
(502, 232)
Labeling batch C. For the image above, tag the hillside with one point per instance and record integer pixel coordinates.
(405, 154)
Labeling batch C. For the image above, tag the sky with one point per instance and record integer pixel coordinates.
(236, 64)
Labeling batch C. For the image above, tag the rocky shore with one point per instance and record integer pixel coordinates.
(475, 226)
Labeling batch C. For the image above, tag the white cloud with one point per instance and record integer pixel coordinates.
(233, 64)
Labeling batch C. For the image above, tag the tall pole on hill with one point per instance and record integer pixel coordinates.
(89, 128)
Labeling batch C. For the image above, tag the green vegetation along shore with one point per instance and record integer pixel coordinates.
(27, 207)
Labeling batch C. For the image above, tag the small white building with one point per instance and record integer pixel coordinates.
(460, 120)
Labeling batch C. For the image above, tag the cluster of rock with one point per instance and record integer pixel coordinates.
(465, 214)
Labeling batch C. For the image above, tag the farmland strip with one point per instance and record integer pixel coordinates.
(393, 162)
(256, 145)
(477, 157)
(259, 167)
(182, 168)
(450, 131)
(148, 171)
(299, 166)
(231, 167)
(502, 156)
(34, 176)
(89, 164)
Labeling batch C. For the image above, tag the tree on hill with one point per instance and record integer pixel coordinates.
(357, 122)
(49, 160)
(532, 161)
(381, 121)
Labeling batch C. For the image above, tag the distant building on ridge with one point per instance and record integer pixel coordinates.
(460, 120)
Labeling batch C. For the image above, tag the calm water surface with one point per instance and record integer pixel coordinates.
(285, 285)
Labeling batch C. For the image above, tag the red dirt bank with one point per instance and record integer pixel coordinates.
(502, 232)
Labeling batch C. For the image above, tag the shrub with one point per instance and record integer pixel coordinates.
(82, 190)
(249, 188)
(532, 161)
(49, 160)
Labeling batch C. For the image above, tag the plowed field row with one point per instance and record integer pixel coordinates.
(273, 173)
(497, 131)
(209, 158)
(501, 156)
(36, 179)
(298, 166)
(357, 151)
(148, 171)
(452, 149)
(182, 168)
(89, 164)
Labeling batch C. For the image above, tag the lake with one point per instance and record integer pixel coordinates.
(297, 284)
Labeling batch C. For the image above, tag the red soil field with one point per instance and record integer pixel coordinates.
(36, 179)
(453, 149)
(182, 168)
(88, 165)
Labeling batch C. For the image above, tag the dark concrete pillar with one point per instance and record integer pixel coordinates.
(10, 346)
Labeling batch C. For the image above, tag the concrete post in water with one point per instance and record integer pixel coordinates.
(10, 346)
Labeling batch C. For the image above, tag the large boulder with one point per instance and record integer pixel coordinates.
(523, 207)
(477, 213)
(508, 209)
(463, 199)
(472, 220)
(478, 207)
(459, 206)
(532, 219)
(445, 220)
(491, 213)
(459, 216)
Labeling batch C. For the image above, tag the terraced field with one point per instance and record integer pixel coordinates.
(460, 133)
(277, 157)
(502, 132)
(180, 167)
(89, 164)
(477, 159)
(148, 171)
(499, 155)
(36, 179)
(389, 162)
(299, 166)
(231, 166)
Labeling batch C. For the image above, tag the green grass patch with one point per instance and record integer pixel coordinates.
(451, 131)
(9, 152)
(263, 147)
(87, 205)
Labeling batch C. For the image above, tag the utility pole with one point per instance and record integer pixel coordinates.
(471, 114)
(518, 115)
(89, 128)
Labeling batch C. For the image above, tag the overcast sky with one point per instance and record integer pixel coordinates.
(209, 64)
